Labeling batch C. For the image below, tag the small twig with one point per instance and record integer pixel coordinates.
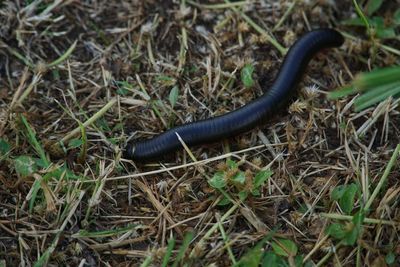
(342, 217)
(91, 120)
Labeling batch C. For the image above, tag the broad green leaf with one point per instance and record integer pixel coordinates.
(385, 33)
(4, 147)
(239, 177)
(251, 258)
(25, 166)
(218, 180)
(270, 259)
(243, 195)
(373, 6)
(396, 17)
(390, 258)
(74, 143)
(173, 96)
(231, 164)
(298, 261)
(261, 177)
(102, 123)
(122, 91)
(377, 22)
(346, 202)
(223, 202)
(247, 75)
(351, 237)
(336, 230)
(338, 192)
(284, 247)
(255, 192)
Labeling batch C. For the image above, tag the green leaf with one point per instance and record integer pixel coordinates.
(224, 201)
(218, 180)
(284, 247)
(372, 97)
(396, 17)
(373, 6)
(185, 245)
(168, 253)
(243, 195)
(256, 192)
(336, 230)
(338, 192)
(103, 124)
(346, 202)
(74, 143)
(377, 77)
(353, 22)
(231, 164)
(351, 237)
(25, 166)
(377, 22)
(385, 33)
(239, 177)
(298, 261)
(122, 91)
(166, 80)
(173, 96)
(342, 92)
(251, 258)
(247, 75)
(4, 147)
(270, 259)
(390, 258)
(261, 178)
(33, 141)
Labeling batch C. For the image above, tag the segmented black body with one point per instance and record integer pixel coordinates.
(248, 116)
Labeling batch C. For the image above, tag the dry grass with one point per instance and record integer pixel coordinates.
(104, 70)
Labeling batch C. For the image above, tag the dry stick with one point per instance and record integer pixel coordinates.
(92, 119)
(158, 205)
(35, 80)
(217, 6)
(214, 228)
(338, 216)
(285, 15)
(201, 162)
(260, 30)
(315, 248)
(20, 88)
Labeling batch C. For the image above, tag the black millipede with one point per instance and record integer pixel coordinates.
(248, 116)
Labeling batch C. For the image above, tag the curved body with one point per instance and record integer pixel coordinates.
(248, 116)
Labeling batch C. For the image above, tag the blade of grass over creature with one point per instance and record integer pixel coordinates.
(373, 87)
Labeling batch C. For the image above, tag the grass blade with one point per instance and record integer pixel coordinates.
(168, 253)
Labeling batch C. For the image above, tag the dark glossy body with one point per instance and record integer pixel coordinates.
(248, 116)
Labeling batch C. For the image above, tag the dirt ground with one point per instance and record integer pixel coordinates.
(94, 75)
